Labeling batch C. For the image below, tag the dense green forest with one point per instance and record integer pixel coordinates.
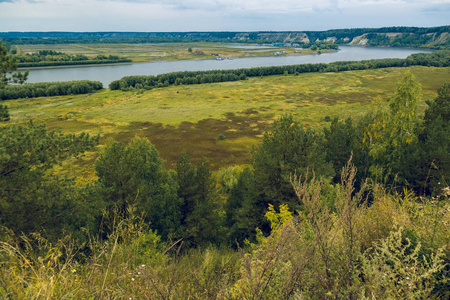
(433, 37)
(439, 58)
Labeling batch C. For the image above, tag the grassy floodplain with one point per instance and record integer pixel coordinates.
(164, 51)
(190, 118)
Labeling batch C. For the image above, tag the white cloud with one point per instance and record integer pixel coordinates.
(277, 5)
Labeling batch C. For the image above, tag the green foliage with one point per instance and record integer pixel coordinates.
(287, 149)
(402, 111)
(375, 39)
(392, 137)
(440, 107)
(434, 144)
(268, 271)
(354, 251)
(4, 113)
(31, 198)
(42, 89)
(241, 216)
(54, 58)
(405, 152)
(227, 178)
(134, 175)
(406, 39)
(395, 146)
(395, 269)
(278, 219)
(200, 220)
(7, 67)
(437, 58)
(340, 144)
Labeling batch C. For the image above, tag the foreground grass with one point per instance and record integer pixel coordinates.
(190, 118)
(395, 248)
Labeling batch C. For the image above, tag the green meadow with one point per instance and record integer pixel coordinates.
(191, 118)
(163, 51)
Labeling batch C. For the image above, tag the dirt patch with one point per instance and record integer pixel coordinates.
(201, 139)
(251, 112)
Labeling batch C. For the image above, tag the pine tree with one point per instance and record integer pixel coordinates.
(7, 67)
(434, 143)
(134, 175)
(199, 211)
(31, 198)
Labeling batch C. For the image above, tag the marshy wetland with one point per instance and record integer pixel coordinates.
(190, 118)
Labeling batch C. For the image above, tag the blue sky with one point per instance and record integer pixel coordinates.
(218, 15)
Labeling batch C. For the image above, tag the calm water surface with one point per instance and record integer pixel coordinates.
(106, 74)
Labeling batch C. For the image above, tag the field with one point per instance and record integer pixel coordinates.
(162, 52)
(191, 118)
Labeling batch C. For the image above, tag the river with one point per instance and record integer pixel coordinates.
(108, 73)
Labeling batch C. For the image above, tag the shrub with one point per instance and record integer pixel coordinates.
(4, 114)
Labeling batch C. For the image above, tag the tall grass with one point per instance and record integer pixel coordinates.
(338, 247)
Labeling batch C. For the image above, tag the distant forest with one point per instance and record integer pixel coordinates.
(433, 37)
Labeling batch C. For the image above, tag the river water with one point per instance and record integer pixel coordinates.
(108, 73)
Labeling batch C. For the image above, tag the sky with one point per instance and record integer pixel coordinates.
(218, 15)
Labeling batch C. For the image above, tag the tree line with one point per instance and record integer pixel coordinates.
(409, 36)
(406, 36)
(403, 40)
(54, 58)
(439, 58)
(72, 63)
(42, 89)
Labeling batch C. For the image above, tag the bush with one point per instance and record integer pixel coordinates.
(4, 114)
(221, 137)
